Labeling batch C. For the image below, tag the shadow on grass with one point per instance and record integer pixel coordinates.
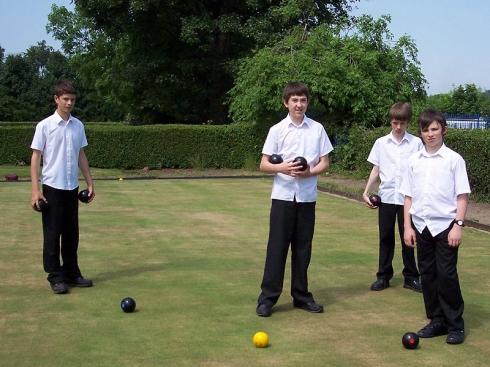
(474, 316)
(128, 272)
(329, 296)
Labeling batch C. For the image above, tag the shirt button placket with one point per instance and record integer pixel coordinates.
(69, 158)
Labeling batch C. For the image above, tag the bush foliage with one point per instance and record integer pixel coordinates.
(229, 146)
(472, 145)
(158, 146)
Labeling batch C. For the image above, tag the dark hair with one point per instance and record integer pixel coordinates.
(401, 111)
(64, 87)
(430, 115)
(295, 89)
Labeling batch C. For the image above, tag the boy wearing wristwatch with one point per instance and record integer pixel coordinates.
(436, 191)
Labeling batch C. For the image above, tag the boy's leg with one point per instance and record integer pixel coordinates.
(448, 288)
(386, 222)
(69, 236)
(426, 254)
(410, 271)
(281, 226)
(52, 219)
(301, 245)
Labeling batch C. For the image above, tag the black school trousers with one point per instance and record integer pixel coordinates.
(388, 214)
(291, 224)
(60, 231)
(440, 282)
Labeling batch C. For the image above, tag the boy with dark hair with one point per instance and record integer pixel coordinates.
(60, 139)
(292, 215)
(436, 191)
(389, 155)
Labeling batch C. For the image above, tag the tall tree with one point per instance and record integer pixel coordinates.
(354, 73)
(466, 99)
(26, 87)
(173, 61)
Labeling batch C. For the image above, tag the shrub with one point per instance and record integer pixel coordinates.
(156, 146)
(473, 145)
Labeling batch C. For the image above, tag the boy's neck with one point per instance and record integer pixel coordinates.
(297, 121)
(65, 116)
(434, 149)
(397, 136)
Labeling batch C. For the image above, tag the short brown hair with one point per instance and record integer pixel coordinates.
(295, 89)
(64, 87)
(400, 111)
(430, 115)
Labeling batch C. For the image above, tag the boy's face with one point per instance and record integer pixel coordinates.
(398, 127)
(297, 106)
(433, 136)
(65, 102)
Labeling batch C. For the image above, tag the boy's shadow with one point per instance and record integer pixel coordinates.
(128, 272)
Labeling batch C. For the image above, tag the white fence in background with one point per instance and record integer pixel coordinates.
(468, 121)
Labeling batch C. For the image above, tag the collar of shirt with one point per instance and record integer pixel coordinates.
(305, 122)
(57, 119)
(443, 151)
(406, 137)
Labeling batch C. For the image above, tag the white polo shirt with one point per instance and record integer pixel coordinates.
(434, 181)
(391, 157)
(309, 140)
(60, 143)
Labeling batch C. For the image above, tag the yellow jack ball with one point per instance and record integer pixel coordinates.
(261, 339)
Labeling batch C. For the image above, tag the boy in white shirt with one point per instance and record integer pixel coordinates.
(436, 192)
(59, 139)
(389, 157)
(292, 215)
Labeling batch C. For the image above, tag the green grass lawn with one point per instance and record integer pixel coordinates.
(191, 252)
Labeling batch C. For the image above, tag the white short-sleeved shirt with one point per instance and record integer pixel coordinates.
(60, 143)
(391, 157)
(434, 181)
(309, 140)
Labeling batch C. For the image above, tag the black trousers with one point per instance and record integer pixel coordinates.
(60, 230)
(291, 223)
(387, 215)
(440, 282)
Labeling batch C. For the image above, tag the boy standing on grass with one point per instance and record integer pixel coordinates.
(292, 215)
(436, 192)
(389, 158)
(60, 140)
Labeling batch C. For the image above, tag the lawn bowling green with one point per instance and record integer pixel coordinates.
(191, 253)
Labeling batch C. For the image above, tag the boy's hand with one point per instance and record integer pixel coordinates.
(455, 235)
(91, 193)
(36, 195)
(294, 169)
(409, 237)
(365, 197)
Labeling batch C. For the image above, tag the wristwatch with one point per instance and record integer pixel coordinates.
(459, 222)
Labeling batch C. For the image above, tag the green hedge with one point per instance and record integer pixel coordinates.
(155, 146)
(473, 145)
(228, 146)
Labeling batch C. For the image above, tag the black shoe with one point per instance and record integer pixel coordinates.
(380, 284)
(455, 337)
(432, 329)
(80, 282)
(59, 288)
(413, 284)
(309, 306)
(263, 310)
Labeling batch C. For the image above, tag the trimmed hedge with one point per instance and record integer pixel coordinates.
(228, 146)
(472, 145)
(15, 141)
(155, 146)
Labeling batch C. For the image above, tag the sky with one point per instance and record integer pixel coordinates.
(452, 36)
